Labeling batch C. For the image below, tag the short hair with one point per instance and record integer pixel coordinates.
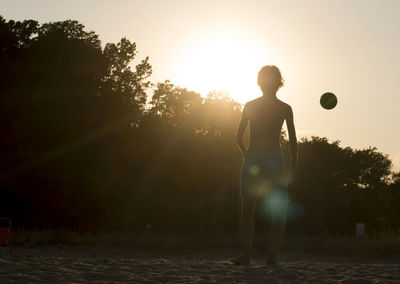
(270, 74)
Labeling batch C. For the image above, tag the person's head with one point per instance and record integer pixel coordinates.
(270, 79)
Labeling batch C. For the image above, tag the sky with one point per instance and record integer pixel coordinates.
(348, 47)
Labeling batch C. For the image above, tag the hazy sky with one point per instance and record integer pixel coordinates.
(349, 47)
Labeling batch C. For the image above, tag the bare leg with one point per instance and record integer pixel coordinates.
(278, 221)
(246, 230)
(275, 241)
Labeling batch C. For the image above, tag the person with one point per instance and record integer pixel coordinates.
(263, 172)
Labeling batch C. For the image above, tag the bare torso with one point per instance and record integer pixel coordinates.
(266, 116)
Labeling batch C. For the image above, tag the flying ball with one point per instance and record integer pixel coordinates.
(328, 100)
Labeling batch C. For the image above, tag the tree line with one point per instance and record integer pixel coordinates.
(84, 147)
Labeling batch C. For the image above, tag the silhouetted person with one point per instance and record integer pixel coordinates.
(263, 173)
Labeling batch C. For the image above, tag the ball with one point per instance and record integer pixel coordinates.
(328, 100)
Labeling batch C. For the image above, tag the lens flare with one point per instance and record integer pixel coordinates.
(275, 204)
(254, 170)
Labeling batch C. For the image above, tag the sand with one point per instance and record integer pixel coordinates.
(65, 264)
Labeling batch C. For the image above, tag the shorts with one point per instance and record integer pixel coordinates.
(263, 175)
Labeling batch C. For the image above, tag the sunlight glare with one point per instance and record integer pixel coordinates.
(223, 62)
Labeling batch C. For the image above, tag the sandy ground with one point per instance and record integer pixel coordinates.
(65, 264)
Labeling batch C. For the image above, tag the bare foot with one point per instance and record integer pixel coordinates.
(240, 260)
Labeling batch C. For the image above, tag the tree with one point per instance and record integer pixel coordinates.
(130, 86)
(59, 126)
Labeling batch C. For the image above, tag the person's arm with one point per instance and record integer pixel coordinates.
(292, 140)
(240, 131)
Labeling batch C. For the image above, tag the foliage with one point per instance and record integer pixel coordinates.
(82, 149)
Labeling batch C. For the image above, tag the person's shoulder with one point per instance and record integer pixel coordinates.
(286, 106)
(249, 104)
(253, 102)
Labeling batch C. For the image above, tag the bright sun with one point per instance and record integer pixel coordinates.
(224, 62)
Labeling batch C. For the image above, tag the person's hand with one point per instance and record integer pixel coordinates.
(244, 154)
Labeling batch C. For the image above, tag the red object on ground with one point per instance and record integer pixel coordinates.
(5, 234)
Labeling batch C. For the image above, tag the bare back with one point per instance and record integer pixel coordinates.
(266, 117)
